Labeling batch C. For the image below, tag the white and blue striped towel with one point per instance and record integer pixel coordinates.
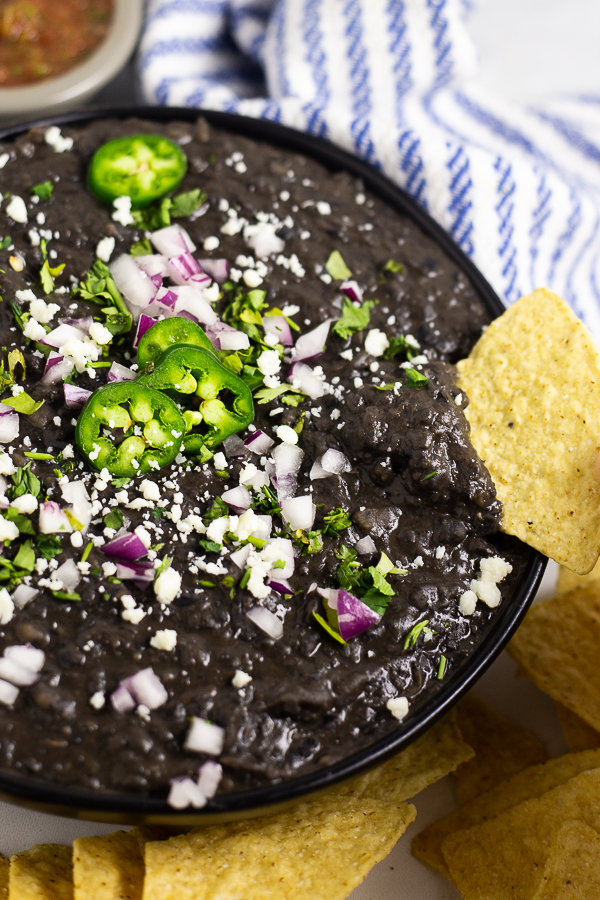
(395, 82)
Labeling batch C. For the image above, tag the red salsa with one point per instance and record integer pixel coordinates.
(44, 38)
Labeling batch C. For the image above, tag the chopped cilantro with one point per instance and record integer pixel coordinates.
(23, 403)
(245, 579)
(99, 287)
(210, 546)
(160, 213)
(219, 508)
(187, 203)
(114, 519)
(47, 275)
(266, 395)
(48, 545)
(386, 387)
(336, 266)
(207, 584)
(165, 564)
(120, 482)
(24, 524)
(416, 378)
(335, 521)
(328, 628)
(25, 558)
(39, 456)
(18, 314)
(69, 596)
(399, 345)
(43, 190)
(244, 313)
(25, 482)
(309, 542)
(368, 585)
(353, 318)
(5, 242)
(299, 423)
(442, 667)
(141, 248)
(431, 474)
(393, 267)
(87, 551)
(158, 513)
(16, 358)
(413, 635)
(267, 503)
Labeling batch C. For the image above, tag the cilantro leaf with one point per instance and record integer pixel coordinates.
(210, 546)
(43, 190)
(353, 318)
(47, 275)
(114, 519)
(99, 287)
(328, 628)
(25, 558)
(5, 242)
(400, 345)
(23, 403)
(393, 267)
(141, 248)
(335, 521)
(187, 203)
(336, 266)
(24, 524)
(416, 378)
(48, 545)
(25, 482)
(219, 508)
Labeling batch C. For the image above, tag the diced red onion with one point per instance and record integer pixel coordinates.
(75, 493)
(283, 550)
(117, 372)
(238, 498)
(285, 485)
(239, 557)
(304, 378)
(205, 737)
(209, 778)
(8, 693)
(259, 442)
(135, 571)
(52, 519)
(260, 479)
(22, 595)
(137, 288)
(281, 586)
(122, 700)
(9, 425)
(16, 673)
(185, 792)
(299, 512)
(166, 298)
(335, 462)
(147, 688)
(312, 343)
(57, 368)
(262, 527)
(218, 269)
(191, 299)
(127, 547)
(145, 324)
(330, 595)
(233, 340)
(69, 574)
(352, 291)
(26, 655)
(234, 447)
(288, 459)
(83, 324)
(353, 615)
(75, 397)
(317, 471)
(61, 334)
(365, 546)
(278, 326)
(153, 264)
(172, 241)
(6, 410)
(182, 268)
(266, 621)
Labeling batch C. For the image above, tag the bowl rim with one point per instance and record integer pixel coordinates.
(86, 77)
(131, 808)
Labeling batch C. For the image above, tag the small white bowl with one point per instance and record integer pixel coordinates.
(52, 95)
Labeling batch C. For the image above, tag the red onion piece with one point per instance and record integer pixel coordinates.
(205, 737)
(259, 442)
(137, 288)
(366, 545)
(84, 324)
(9, 426)
(239, 557)
(22, 595)
(16, 673)
(209, 778)
(172, 241)
(127, 547)
(185, 792)
(234, 447)
(281, 586)
(117, 372)
(304, 378)
(57, 368)
(135, 571)
(278, 326)
(285, 485)
(145, 324)
(75, 397)
(166, 299)
(352, 291)
(353, 615)
(182, 268)
(146, 688)
(335, 462)
(26, 655)
(61, 334)
(122, 700)
(218, 269)
(266, 621)
(52, 519)
(312, 343)
(299, 512)
(238, 498)
(288, 459)
(6, 410)
(233, 340)
(69, 574)
(153, 264)
(191, 299)
(8, 693)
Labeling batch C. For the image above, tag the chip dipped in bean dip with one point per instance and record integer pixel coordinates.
(245, 531)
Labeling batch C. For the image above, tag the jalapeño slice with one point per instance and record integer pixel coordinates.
(129, 429)
(144, 167)
(166, 334)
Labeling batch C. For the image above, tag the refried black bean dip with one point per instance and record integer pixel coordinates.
(263, 607)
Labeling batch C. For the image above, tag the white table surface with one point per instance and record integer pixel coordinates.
(528, 48)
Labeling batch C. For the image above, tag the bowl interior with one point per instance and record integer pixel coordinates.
(127, 808)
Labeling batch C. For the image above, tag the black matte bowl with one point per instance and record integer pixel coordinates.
(130, 808)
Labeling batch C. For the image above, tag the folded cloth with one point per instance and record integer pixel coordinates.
(394, 81)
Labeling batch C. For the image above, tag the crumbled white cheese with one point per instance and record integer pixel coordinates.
(166, 639)
(8, 530)
(122, 213)
(211, 242)
(398, 706)
(212, 293)
(4, 158)
(43, 312)
(100, 333)
(81, 352)
(144, 536)
(241, 679)
(7, 607)
(108, 569)
(7, 467)
(269, 362)
(286, 434)
(492, 570)
(376, 342)
(252, 279)
(104, 248)
(97, 700)
(55, 139)
(25, 504)
(323, 208)
(134, 616)
(440, 552)
(33, 330)
(77, 540)
(17, 210)
(26, 296)
(220, 461)
(467, 603)
(218, 527)
(167, 586)
(263, 239)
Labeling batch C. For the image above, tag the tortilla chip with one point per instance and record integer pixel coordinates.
(504, 858)
(578, 734)
(45, 872)
(557, 645)
(4, 870)
(533, 381)
(108, 867)
(145, 833)
(501, 749)
(533, 782)
(321, 851)
(569, 580)
(572, 871)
